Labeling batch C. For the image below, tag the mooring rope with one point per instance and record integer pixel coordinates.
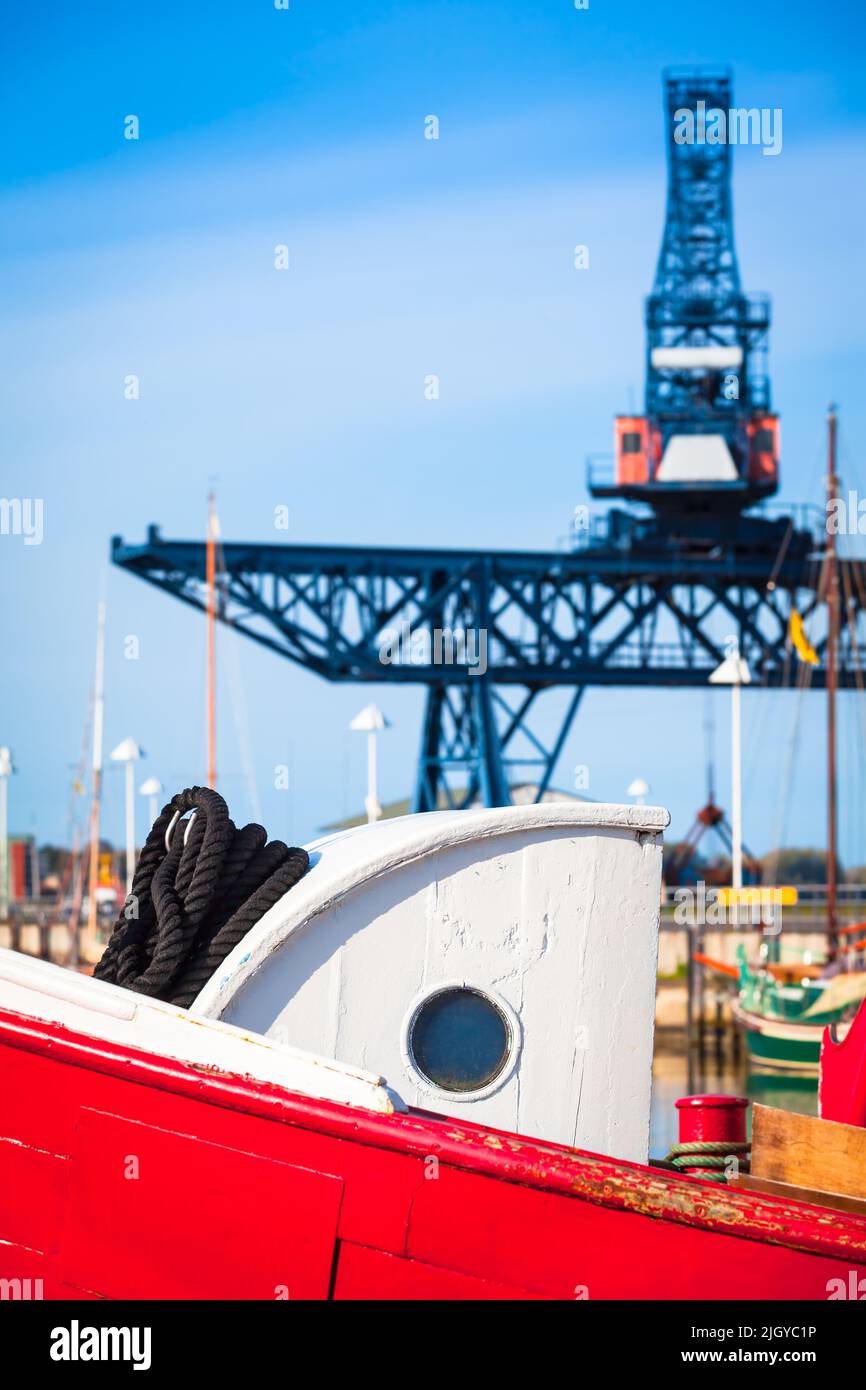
(709, 1158)
(191, 902)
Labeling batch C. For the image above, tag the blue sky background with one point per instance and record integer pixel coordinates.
(409, 257)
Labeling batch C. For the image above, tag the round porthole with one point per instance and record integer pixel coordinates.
(460, 1041)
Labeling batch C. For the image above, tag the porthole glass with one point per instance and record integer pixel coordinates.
(460, 1039)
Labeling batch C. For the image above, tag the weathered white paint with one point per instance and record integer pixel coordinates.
(553, 909)
(40, 990)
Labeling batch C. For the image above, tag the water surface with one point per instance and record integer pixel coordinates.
(674, 1077)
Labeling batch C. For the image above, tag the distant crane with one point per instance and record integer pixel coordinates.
(708, 438)
(648, 593)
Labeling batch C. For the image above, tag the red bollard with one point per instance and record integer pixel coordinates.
(714, 1121)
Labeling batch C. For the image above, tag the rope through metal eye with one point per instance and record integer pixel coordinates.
(172, 823)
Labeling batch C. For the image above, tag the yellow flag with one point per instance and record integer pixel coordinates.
(802, 645)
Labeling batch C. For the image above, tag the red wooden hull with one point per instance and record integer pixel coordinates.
(126, 1175)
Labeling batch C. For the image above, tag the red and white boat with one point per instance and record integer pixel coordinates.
(425, 1073)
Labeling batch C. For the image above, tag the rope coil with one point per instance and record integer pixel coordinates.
(709, 1158)
(195, 894)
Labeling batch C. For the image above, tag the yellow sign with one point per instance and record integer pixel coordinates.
(759, 895)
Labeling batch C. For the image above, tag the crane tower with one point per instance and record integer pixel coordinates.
(647, 593)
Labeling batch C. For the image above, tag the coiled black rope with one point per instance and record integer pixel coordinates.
(191, 904)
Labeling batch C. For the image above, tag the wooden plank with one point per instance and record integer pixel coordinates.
(789, 1193)
(808, 1152)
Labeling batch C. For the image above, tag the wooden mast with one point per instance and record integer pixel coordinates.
(832, 575)
(95, 805)
(210, 696)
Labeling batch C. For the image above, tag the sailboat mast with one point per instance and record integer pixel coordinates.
(832, 576)
(95, 805)
(210, 696)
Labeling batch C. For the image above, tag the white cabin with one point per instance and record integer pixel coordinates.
(497, 966)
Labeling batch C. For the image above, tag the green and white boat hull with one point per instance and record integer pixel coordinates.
(784, 1023)
(778, 1045)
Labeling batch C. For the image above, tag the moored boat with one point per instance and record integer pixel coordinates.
(784, 1013)
(423, 1073)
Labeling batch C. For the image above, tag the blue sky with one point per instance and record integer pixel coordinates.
(409, 256)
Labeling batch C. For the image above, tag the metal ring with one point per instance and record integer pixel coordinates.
(170, 827)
